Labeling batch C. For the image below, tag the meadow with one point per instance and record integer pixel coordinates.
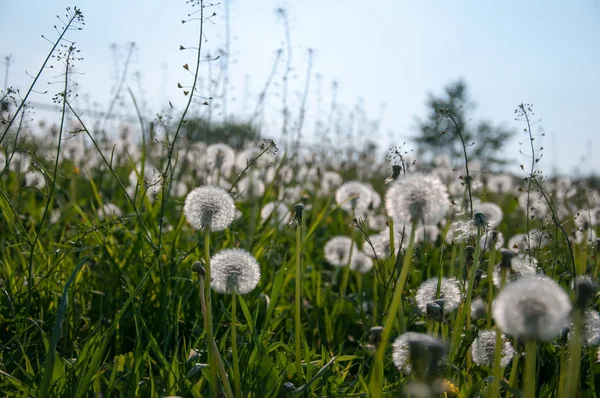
(144, 261)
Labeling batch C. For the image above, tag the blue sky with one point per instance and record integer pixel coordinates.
(394, 52)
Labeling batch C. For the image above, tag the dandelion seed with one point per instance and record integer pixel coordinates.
(234, 271)
(353, 196)
(337, 251)
(484, 346)
(532, 308)
(417, 197)
(209, 207)
(449, 292)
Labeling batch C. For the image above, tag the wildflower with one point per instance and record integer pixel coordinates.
(519, 267)
(353, 196)
(361, 262)
(587, 218)
(209, 207)
(478, 310)
(35, 179)
(297, 218)
(337, 251)
(417, 197)
(330, 181)
(251, 186)
(234, 271)
(413, 348)
(484, 346)
(518, 243)
(449, 293)
(538, 207)
(532, 308)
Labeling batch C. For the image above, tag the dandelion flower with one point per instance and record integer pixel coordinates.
(491, 237)
(221, 157)
(353, 196)
(337, 251)
(401, 350)
(483, 349)
(449, 293)
(330, 181)
(234, 271)
(417, 197)
(427, 233)
(209, 207)
(532, 308)
(277, 213)
(591, 328)
(500, 183)
(380, 246)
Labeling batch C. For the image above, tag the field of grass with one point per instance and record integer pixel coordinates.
(362, 277)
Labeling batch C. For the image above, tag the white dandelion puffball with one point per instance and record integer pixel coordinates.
(401, 349)
(500, 183)
(532, 308)
(449, 293)
(591, 328)
(220, 156)
(483, 349)
(337, 250)
(490, 237)
(380, 245)
(519, 267)
(493, 213)
(361, 262)
(353, 195)
(210, 208)
(276, 213)
(234, 271)
(417, 197)
(330, 181)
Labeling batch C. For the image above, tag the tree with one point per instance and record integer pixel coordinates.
(448, 115)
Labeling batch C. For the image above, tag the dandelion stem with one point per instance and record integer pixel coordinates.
(497, 371)
(298, 325)
(212, 352)
(574, 355)
(529, 377)
(234, 351)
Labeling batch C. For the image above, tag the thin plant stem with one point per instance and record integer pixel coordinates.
(236, 362)
(212, 351)
(297, 321)
(512, 380)
(574, 355)
(497, 370)
(212, 343)
(529, 381)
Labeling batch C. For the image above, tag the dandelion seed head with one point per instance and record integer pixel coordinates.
(277, 213)
(417, 197)
(483, 349)
(519, 267)
(491, 237)
(337, 250)
(234, 270)
(449, 292)
(591, 328)
(361, 262)
(532, 308)
(500, 183)
(109, 211)
(209, 207)
(381, 245)
(401, 349)
(353, 196)
(493, 213)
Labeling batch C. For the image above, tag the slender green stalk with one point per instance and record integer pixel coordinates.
(298, 324)
(212, 353)
(529, 381)
(212, 344)
(574, 355)
(236, 362)
(497, 371)
(465, 310)
(376, 381)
